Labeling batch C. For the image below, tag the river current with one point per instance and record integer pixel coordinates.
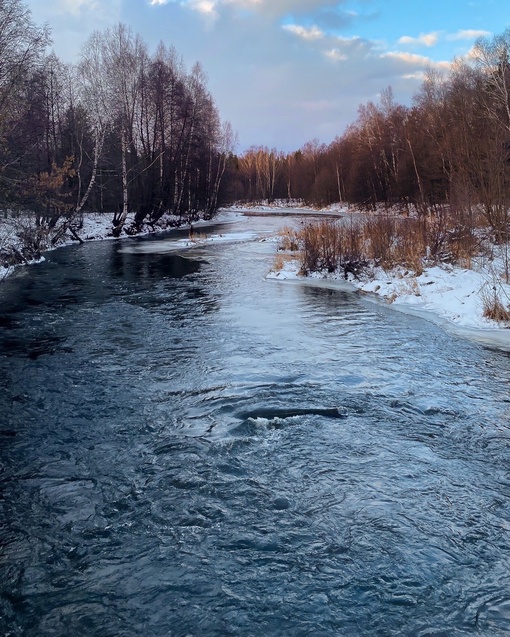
(189, 450)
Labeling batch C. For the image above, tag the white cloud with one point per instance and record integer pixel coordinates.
(284, 6)
(419, 76)
(245, 3)
(468, 34)
(353, 39)
(207, 7)
(431, 39)
(424, 39)
(420, 61)
(306, 33)
(75, 7)
(336, 48)
(270, 7)
(472, 54)
(67, 11)
(336, 54)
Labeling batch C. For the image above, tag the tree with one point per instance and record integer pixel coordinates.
(22, 46)
(492, 58)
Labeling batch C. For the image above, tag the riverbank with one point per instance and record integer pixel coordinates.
(451, 297)
(15, 231)
(455, 298)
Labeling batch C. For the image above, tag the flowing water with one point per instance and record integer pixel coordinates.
(189, 450)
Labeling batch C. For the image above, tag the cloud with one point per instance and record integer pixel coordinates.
(153, 2)
(471, 55)
(206, 7)
(411, 59)
(336, 54)
(424, 39)
(468, 34)
(306, 33)
(72, 21)
(75, 10)
(282, 7)
(268, 7)
(335, 19)
(244, 4)
(431, 39)
(75, 7)
(418, 75)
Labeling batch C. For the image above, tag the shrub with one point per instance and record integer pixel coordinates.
(493, 307)
(331, 246)
(386, 241)
(288, 239)
(379, 235)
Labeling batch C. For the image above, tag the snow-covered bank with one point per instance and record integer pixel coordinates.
(98, 227)
(16, 229)
(283, 208)
(450, 297)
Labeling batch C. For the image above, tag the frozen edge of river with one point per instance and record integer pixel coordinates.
(447, 315)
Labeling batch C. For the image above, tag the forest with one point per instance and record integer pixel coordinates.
(120, 131)
(125, 131)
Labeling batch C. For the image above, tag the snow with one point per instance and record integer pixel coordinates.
(187, 243)
(281, 208)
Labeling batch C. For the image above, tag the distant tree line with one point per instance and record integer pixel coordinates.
(451, 147)
(121, 131)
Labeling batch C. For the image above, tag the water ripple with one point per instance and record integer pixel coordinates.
(186, 450)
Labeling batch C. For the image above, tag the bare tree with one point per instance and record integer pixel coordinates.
(22, 44)
(94, 95)
(492, 57)
(226, 146)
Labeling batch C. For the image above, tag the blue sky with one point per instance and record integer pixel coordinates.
(284, 72)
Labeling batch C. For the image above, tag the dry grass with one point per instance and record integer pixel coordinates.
(387, 241)
(280, 261)
(288, 239)
(409, 287)
(330, 246)
(493, 307)
(379, 238)
(321, 246)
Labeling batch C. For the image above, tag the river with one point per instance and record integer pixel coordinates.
(190, 450)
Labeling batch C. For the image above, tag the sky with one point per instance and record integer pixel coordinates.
(286, 72)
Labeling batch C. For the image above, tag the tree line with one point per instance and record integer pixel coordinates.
(121, 131)
(124, 130)
(450, 148)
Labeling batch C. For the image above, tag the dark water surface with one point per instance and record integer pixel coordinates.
(188, 450)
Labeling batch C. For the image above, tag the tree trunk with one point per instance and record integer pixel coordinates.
(120, 220)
